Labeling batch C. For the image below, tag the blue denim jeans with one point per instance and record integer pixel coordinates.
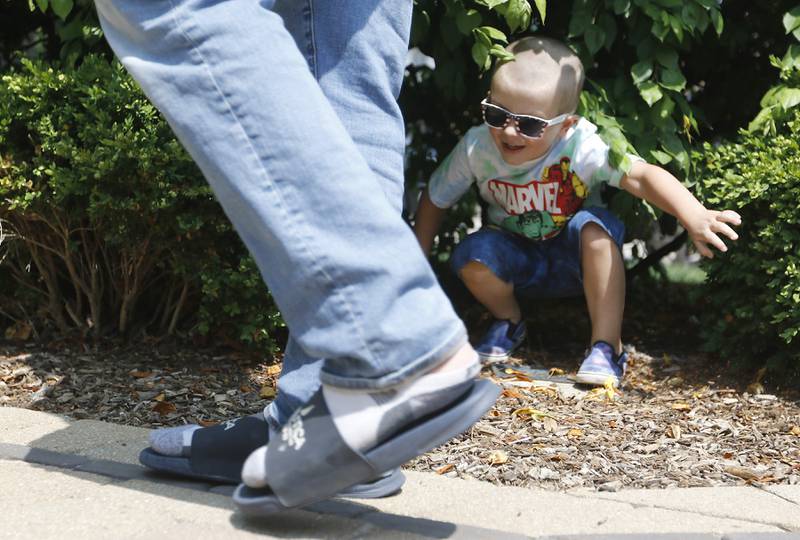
(537, 269)
(267, 122)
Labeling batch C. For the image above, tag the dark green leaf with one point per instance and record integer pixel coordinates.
(650, 92)
(672, 80)
(62, 7)
(541, 7)
(467, 20)
(716, 20)
(594, 37)
(641, 71)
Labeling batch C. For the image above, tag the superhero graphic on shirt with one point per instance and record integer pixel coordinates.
(539, 209)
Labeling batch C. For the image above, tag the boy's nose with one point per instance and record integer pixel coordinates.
(511, 129)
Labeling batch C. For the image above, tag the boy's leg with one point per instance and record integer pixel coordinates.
(599, 235)
(234, 87)
(491, 263)
(603, 284)
(495, 294)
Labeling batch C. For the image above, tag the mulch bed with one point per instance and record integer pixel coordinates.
(676, 422)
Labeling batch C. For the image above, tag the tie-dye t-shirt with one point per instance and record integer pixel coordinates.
(534, 199)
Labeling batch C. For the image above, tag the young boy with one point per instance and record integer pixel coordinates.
(540, 168)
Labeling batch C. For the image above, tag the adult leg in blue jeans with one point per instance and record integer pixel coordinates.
(239, 95)
(359, 64)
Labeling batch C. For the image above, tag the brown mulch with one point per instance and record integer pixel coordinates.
(676, 422)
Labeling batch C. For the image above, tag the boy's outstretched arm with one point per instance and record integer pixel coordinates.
(427, 221)
(659, 187)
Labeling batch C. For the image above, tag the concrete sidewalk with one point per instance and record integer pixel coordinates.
(61, 478)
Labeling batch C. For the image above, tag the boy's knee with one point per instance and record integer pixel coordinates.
(475, 271)
(595, 238)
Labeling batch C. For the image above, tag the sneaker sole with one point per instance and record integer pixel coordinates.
(596, 379)
(487, 359)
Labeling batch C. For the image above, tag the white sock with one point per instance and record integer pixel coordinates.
(174, 441)
(366, 418)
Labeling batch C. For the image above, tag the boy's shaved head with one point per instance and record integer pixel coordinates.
(545, 68)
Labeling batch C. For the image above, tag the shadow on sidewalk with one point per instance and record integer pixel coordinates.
(332, 518)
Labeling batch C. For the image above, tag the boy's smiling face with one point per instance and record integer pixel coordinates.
(515, 148)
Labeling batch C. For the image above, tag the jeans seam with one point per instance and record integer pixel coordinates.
(312, 41)
(302, 242)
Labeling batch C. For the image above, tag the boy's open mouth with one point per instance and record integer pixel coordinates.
(512, 147)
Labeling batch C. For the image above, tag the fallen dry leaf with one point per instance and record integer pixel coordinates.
(140, 374)
(267, 392)
(550, 425)
(681, 407)
(508, 392)
(574, 433)
(498, 457)
(245, 389)
(20, 331)
(160, 397)
(207, 423)
(518, 374)
(445, 468)
(795, 430)
(164, 408)
(554, 371)
(674, 431)
(742, 472)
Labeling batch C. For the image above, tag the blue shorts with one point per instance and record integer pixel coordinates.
(537, 268)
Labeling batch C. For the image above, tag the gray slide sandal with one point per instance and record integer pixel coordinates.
(311, 462)
(218, 453)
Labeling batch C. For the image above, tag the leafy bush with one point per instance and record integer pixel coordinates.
(110, 227)
(753, 291)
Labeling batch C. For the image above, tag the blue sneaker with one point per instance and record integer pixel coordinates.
(502, 338)
(602, 364)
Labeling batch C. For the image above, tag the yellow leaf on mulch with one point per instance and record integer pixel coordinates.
(795, 430)
(681, 407)
(266, 392)
(536, 414)
(160, 397)
(274, 369)
(498, 457)
(574, 433)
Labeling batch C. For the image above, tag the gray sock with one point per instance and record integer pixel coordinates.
(174, 441)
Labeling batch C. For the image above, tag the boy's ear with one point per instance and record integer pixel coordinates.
(569, 122)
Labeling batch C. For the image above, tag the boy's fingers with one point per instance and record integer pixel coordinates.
(703, 250)
(715, 241)
(730, 216)
(725, 229)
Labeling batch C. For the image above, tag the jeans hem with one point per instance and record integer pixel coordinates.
(406, 373)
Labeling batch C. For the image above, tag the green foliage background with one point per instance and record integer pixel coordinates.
(665, 78)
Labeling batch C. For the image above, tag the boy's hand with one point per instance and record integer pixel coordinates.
(705, 227)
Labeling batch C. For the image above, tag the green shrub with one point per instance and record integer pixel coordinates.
(110, 227)
(753, 291)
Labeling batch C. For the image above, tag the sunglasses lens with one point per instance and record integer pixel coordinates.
(494, 117)
(531, 127)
